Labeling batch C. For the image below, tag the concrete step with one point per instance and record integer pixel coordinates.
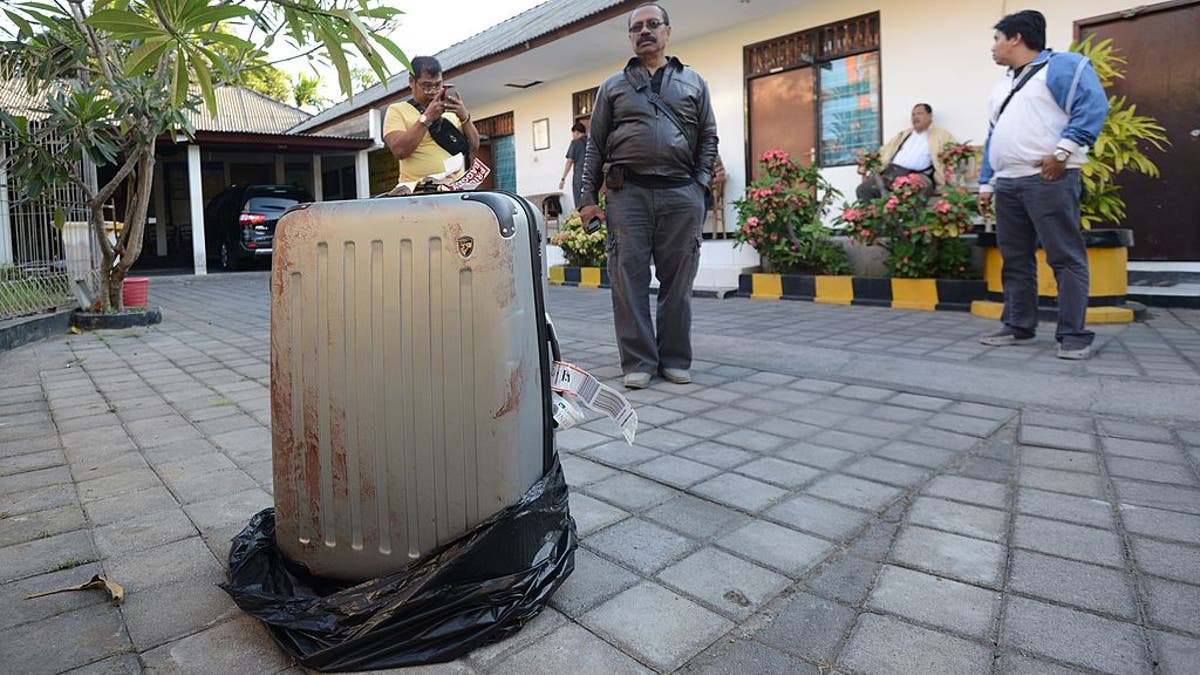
(1165, 284)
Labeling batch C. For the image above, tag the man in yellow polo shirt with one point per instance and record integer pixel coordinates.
(416, 130)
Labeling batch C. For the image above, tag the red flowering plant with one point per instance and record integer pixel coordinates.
(780, 216)
(920, 234)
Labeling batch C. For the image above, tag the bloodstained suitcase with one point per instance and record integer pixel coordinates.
(409, 375)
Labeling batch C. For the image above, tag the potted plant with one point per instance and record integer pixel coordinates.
(781, 216)
(585, 252)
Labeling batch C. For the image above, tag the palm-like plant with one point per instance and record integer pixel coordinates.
(1120, 146)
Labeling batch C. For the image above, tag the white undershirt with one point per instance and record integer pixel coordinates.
(914, 153)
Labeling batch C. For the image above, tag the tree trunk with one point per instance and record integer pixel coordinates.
(116, 260)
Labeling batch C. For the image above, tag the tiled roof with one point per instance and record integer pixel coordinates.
(528, 25)
(239, 110)
(15, 100)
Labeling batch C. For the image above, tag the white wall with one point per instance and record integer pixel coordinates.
(937, 52)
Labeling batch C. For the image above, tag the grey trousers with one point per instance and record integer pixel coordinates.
(1030, 209)
(664, 226)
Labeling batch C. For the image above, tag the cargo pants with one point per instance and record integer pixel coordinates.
(660, 226)
(1029, 210)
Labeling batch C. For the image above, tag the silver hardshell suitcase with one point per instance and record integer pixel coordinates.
(409, 375)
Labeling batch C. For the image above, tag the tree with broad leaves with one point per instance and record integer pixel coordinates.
(116, 75)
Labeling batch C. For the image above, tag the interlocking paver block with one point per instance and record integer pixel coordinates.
(1086, 510)
(942, 439)
(78, 638)
(1070, 482)
(1073, 583)
(40, 556)
(819, 516)
(239, 645)
(739, 491)
(1078, 542)
(165, 613)
(963, 424)
(1135, 431)
(630, 492)
(975, 521)
(1177, 655)
(665, 440)
(1074, 636)
(971, 560)
(1158, 452)
(750, 439)
(1066, 460)
(882, 645)
(808, 626)
(844, 440)
(1167, 497)
(716, 454)
(571, 648)
(620, 454)
(18, 611)
(779, 472)
(593, 581)
(642, 545)
(855, 492)
(1158, 472)
(677, 471)
(695, 517)
(778, 547)
(580, 471)
(592, 515)
(815, 455)
(1057, 438)
(886, 471)
(846, 579)
(921, 402)
(1164, 559)
(734, 586)
(911, 453)
(1173, 605)
(661, 628)
(1172, 525)
(942, 602)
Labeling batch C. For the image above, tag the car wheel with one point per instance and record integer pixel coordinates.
(228, 262)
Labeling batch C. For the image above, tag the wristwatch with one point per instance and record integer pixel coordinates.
(1061, 154)
(423, 119)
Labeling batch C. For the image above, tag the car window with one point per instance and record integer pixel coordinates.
(269, 206)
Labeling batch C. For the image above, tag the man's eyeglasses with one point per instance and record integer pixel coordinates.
(652, 24)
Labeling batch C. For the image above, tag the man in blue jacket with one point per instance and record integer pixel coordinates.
(1045, 115)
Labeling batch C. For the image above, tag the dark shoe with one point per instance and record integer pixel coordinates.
(637, 380)
(1074, 352)
(1004, 339)
(677, 375)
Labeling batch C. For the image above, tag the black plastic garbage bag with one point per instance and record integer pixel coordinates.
(478, 589)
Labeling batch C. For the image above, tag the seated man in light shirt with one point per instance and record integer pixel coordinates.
(912, 151)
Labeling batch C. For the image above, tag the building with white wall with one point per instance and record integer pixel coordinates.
(780, 70)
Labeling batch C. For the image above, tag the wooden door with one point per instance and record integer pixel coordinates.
(485, 155)
(1163, 79)
(781, 116)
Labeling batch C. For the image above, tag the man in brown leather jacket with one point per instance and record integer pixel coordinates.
(653, 141)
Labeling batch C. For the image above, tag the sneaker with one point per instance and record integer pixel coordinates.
(637, 380)
(1074, 353)
(1004, 339)
(677, 375)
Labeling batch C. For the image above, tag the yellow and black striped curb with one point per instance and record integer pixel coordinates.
(922, 294)
(1108, 280)
(586, 277)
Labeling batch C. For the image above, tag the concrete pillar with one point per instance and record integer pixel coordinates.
(280, 170)
(362, 174)
(196, 201)
(160, 210)
(6, 245)
(318, 179)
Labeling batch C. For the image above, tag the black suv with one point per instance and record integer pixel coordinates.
(239, 223)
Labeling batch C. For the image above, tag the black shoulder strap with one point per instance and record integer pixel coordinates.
(446, 135)
(665, 108)
(1032, 70)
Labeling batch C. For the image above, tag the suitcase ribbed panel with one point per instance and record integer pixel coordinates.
(406, 381)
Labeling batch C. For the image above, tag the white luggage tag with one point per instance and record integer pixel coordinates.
(595, 395)
(566, 413)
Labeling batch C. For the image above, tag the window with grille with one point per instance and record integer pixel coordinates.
(837, 105)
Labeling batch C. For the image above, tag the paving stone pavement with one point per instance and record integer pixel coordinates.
(802, 507)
